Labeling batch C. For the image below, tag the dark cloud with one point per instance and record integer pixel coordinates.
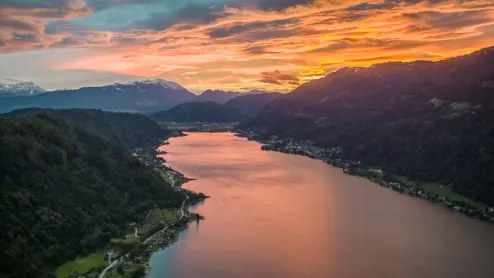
(446, 21)
(366, 6)
(188, 16)
(257, 26)
(277, 5)
(69, 42)
(345, 43)
(277, 77)
(257, 50)
(46, 8)
(20, 25)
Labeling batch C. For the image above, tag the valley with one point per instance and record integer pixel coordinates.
(111, 181)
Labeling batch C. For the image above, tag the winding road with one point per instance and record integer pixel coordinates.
(182, 215)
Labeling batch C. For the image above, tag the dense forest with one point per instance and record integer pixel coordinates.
(65, 191)
(129, 130)
(430, 121)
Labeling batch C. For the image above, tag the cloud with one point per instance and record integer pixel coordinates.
(278, 5)
(279, 78)
(257, 50)
(50, 9)
(19, 25)
(257, 27)
(272, 44)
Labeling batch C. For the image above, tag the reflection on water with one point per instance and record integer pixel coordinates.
(280, 215)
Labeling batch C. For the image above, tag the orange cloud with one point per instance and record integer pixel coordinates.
(277, 47)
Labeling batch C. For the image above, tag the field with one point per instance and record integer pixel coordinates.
(81, 266)
(448, 193)
(159, 215)
(442, 191)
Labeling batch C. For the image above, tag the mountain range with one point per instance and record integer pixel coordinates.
(222, 97)
(145, 96)
(141, 96)
(236, 109)
(430, 121)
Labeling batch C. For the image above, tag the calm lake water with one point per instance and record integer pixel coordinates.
(279, 215)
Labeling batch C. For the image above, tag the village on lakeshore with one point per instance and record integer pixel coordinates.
(436, 193)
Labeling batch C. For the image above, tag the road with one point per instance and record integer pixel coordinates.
(182, 215)
(171, 178)
(115, 262)
(182, 211)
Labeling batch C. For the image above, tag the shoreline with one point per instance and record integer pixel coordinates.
(168, 234)
(376, 175)
(130, 255)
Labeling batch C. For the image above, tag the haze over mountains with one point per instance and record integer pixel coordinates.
(431, 121)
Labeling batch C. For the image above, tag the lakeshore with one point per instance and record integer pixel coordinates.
(280, 215)
(128, 254)
(432, 192)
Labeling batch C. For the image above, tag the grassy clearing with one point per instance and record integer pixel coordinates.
(130, 239)
(142, 230)
(448, 193)
(159, 215)
(441, 191)
(81, 266)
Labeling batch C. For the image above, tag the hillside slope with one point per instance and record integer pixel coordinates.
(217, 96)
(431, 121)
(198, 112)
(129, 130)
(65, 192)
(250, 105)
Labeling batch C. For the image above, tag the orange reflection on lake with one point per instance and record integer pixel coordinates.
(278, 215)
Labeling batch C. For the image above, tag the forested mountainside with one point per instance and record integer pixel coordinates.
(65, 191)
(198, 112)
(431, 121)
(249, 105)
(217, 96)
(129, 130)
(142, 96)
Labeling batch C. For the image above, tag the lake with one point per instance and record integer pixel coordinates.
(279, 215)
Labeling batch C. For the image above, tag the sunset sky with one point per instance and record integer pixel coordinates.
(227, 44)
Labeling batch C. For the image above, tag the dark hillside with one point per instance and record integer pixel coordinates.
(129, 130)
(64, 192)
(431, 121)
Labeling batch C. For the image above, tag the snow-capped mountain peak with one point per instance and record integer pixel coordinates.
(22, 89)
(159, 82)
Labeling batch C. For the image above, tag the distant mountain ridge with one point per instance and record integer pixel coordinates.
(217, 96)
(249, 105)
(145, 96)
(221, 97)
(431, 121)
(198, 112)
(235, 110)
(141, 96)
